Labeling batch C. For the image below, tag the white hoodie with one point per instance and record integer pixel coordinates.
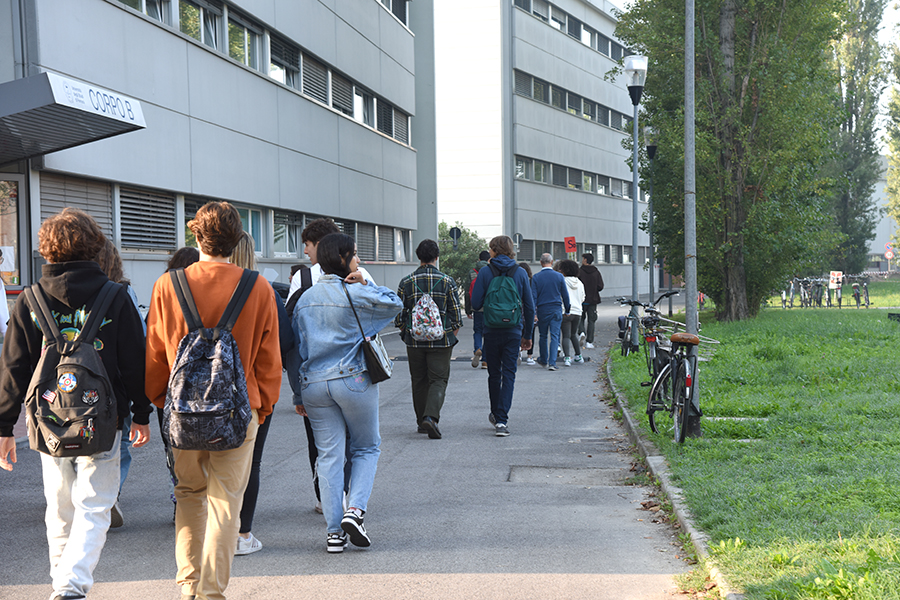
(576, 295)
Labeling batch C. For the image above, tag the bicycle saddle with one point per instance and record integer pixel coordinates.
(685, 338)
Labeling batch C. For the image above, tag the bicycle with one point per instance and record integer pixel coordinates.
(856, 294)
(673, 394)
(656, 354)
(629, 326)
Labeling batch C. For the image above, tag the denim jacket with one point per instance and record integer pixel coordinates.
(328, 335)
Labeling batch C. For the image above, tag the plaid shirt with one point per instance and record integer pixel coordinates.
(444, 292)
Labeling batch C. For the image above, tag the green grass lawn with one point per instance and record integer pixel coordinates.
(798, 485)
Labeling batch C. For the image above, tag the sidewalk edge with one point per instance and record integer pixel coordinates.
(656, 462)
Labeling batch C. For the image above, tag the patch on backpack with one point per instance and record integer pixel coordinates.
(90, 397)
(67, 382)
(52, 442)
(49, 396)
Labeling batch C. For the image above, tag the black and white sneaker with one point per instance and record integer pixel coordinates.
(336, 542)
(492, 419)
(352, 524)
(501, 430)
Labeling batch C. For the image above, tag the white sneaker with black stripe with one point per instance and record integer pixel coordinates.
(336, 542)
(352, 524)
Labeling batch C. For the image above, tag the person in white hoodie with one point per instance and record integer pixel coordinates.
(570, 321)
(4, 307)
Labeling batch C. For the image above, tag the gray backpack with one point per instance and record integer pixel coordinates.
(70, 404)
(207, 406)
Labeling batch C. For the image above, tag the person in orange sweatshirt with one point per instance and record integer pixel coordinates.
(211, 484)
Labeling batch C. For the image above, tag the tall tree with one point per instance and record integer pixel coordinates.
(765, 109)
(858, 60)
(893, 138)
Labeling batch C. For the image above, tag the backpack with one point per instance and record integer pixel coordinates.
(425, 318)
(70, 405)
(292, 360)
(207, 406)
(502, 302)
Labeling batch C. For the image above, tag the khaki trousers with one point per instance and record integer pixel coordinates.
(210, 492)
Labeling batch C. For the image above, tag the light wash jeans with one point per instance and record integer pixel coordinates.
(339, 408)
(80, 491)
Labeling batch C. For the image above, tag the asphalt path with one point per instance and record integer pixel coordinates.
(543, 513)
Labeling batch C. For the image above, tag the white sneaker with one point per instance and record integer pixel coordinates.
(588, 345)
(581, 338)
(248, 545)
(567, 362)
(530, 361)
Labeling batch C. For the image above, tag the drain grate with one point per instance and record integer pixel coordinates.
(566, 476)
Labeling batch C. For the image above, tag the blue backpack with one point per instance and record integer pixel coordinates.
(207, 405)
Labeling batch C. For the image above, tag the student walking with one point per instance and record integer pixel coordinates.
(211, 484)
(477, 316)
(570, 341)
(429, 350)
(549, 290)
(503, 339)
(80, 489)
(337, 393)
(590, 276)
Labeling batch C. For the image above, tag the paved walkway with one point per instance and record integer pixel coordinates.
(544, 513)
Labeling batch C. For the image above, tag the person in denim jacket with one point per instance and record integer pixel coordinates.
(336, 391)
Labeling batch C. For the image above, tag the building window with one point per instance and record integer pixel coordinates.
(385, 118)
(523, 84)
(603, 44)
(523, 168)
(243, 43)
(541, 10)
(560, 176)
(315, 79)
(341, 94)
(574, 28)
(603, 185)
(626, 255)
(573, 104)
(616, 187)
(588, 36)
(286, 235)
(542, 248)
(10, 192)
(541, 172)
(401, 245)
(559, 250)
(365, 241)
(588, 111)
(398, 8)
(627, 186)
(526, 251)
(523, 4)
(541, 91)
(602, 115)
(285, 63)
(385, 243)
(147, 219)
(602, 254)
(588, 182)
(590, 249)
(615, 254)
(401, 126)
(251, 219)
(557, 18)
(155, 9)
(200, 20)
(616, 51)
(575, 181)
(615, 120)
(558, 98)
(364, 108)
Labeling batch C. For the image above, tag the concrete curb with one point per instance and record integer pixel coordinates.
(656, 462)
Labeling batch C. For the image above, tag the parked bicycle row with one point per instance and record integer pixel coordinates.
(826, 292)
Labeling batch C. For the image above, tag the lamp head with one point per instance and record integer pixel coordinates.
(635, 76)
(650, 137)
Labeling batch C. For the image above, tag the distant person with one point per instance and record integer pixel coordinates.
(110, 262)
(311, 235)
(551, 300)
(593, 284)
(569, 330)
(477, 316)
(529, 354)
(80, 490)
(244, 256)
(502, 344)
(4, 307)
(338, 394)
(429, 359)
(211, 485)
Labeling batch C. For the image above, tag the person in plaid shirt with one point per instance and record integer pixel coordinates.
(429, 361)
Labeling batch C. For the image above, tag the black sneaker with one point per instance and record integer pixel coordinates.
(352, 524)
(501, 430)
(336, 542)
(431, 428)
(492, 419)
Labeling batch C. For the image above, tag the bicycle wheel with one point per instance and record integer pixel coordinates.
(660, 398)
(681, 401)
(628, 342)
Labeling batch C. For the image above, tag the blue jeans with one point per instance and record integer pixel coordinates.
(549, 320)
(125, 459)
(338, 408)
(501, 352)
(477, 329)
(80, 491)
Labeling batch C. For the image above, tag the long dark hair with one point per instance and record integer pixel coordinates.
(334, 254)
(524, 266)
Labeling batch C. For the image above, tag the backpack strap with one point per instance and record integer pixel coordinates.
(38, 302)
(306, 282)
(186, 299)
(98, 312)
(238, 298)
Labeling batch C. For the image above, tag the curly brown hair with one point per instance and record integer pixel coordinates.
(318, 229)
(217, 227)
(70, 235)
(110, 262)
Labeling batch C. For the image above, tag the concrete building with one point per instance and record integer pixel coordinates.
(289, 109)
(530, 131)
(886, 229)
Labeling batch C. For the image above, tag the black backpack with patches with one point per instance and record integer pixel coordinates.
(70, 406)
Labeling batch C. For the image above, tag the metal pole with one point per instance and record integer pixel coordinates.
(690, 186)
(651, 259)
(634, 211)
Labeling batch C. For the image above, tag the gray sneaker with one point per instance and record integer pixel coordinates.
(501, 430)
(476, 359)
(553, 368)
(492, 419)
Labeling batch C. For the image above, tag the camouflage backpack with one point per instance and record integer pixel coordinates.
(207, 406)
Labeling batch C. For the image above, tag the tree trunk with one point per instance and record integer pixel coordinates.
(732, 171)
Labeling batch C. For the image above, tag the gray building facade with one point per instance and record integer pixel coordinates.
(289, 109)
(554, 167)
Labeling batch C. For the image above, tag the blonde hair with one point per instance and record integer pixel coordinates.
(244, 254)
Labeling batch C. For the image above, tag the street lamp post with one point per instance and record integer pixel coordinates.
(635, 75)
(650, 141)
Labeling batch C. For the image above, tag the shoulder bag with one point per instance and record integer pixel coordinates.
(378, 364)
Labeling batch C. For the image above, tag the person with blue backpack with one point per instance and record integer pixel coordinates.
(503, 291)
